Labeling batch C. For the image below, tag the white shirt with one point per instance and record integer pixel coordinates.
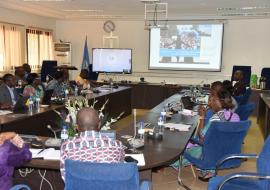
(11, 91)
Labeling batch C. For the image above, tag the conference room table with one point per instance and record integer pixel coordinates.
(35, 123)
(156, 152)
(263, 118)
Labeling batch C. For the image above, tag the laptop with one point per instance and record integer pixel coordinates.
(47, 97)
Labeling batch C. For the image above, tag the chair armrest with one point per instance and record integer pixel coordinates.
(233, 156)
(145, 185)
(196, 141)
(245, 175)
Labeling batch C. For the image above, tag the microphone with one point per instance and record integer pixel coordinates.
(135, 143)
(54, 132)
(52, 142)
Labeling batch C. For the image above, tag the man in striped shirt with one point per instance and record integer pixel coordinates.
(90, 145)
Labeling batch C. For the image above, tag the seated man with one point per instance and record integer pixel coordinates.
(8, 94)
(13, 153)
(82, 79)
(239, 88)
(90, 145)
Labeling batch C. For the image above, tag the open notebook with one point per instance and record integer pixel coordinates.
(46, 154)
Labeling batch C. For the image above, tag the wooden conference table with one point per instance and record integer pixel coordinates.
(36, 123)
(156, 152)
(263, 118)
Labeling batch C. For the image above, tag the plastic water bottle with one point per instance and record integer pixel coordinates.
(160, 126)
(38, 104)
(163, 115)
(30, 107)
(76, 90)
(141, 130)
(64, 133)
(66, 94)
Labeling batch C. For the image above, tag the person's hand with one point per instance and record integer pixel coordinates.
(6, 136)
(202, 111)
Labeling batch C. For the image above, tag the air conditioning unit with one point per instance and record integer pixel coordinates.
(62, 53)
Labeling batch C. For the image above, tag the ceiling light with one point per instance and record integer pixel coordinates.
(150, 1)
(84, 10)
(242, 8)
(46, 0)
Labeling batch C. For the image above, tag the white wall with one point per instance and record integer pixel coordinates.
(246, 42)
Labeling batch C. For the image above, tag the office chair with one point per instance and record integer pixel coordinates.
(222, 138)
(247, 73)
(92, 75)
(48, 68)
(244, 111)
(20, 187)
(243, 99)
(266, 73)
(103, 176)
(259, 180)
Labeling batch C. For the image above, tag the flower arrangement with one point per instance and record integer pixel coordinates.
(73, 105)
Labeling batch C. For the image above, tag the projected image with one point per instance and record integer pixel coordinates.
(188, 47)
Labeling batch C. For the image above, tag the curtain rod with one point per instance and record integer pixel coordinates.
(44, 29)
(2, 22)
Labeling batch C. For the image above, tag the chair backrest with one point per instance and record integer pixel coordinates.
(223, 138)
(263, 166)
(20, 187)
(243, 99)
(244, 111)
(246, 70)
(101, 176)
(266, 73)
(48, 68)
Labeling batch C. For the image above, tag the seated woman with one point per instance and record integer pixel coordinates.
(13, 153)
(33, 88)
(221, 105)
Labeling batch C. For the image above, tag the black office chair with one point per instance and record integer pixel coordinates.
(246, 70)
(266, 73)
(48, 68)
(92, 75)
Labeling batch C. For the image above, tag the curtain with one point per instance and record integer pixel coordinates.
(32, 49)
(10, 48)
(40, 47)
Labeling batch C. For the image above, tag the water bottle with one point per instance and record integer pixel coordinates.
(66, 94)
(160, 126)
(163, 115)
(64, 133)
(38, 104)
(76, 90)
(30, 107)
(141, 130)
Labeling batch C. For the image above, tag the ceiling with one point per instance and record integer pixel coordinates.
(134, 9)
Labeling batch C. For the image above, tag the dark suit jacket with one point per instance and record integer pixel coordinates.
(5, 97)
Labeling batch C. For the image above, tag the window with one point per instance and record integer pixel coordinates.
(39, 47)
(10, 47)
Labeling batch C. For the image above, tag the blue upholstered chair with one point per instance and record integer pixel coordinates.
(243, 99)
(20, 187)
(101, 176)
(266, 73)
(244, 111)
(222, 138)
(246, 70)
(259, 180)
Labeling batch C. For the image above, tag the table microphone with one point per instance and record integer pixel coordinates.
(134, 142)
(53, 142)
